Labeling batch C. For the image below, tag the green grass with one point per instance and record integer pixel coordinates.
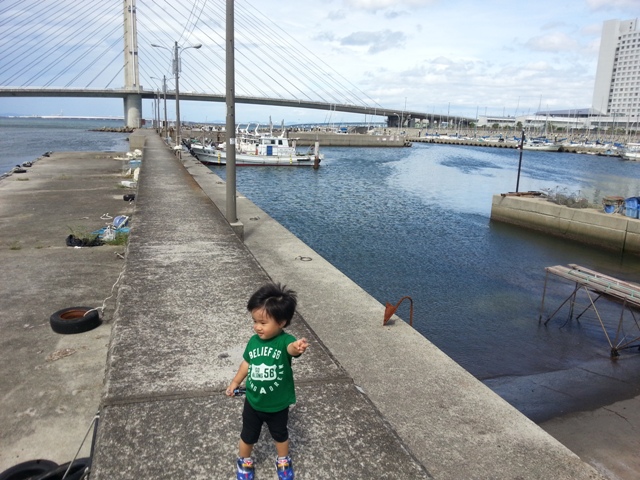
(121, 239)
(83, 232)
(15, 245)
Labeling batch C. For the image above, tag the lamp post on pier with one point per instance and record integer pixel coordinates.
(164, 92)
(176, 72)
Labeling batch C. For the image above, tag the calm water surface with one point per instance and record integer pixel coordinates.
(25, 139)
(415, 222)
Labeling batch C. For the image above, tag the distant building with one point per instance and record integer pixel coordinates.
(501, 122)
(617, 87)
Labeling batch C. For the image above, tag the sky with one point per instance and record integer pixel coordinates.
(462, 57)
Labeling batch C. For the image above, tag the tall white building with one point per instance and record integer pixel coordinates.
(617, 88)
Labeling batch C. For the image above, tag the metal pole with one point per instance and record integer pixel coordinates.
(176, 71)
(164, 89)
(231, 118)
(520, 162)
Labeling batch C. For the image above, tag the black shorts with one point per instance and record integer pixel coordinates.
(252, 421)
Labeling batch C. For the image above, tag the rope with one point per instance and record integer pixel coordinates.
(104, 302)
(93, 422)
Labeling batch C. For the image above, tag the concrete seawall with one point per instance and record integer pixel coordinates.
(473, 142)
(611, 231)
(390, 139)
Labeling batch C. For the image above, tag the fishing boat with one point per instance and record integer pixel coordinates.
(631, 151)
(259, 150)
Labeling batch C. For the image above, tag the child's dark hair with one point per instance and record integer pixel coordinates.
(278, 301)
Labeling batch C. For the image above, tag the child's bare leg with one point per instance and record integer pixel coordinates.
(244, 449)
(282, 448)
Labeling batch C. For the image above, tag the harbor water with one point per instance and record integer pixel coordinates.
(416, 222)
(25, 139)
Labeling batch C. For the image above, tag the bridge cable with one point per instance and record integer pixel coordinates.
(315, 60)
(27, 45)
(59, 49)
(92, 63)
(57, 60)
(120, 53)
(238, 73)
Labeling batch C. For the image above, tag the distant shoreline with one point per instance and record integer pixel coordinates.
(64, 117)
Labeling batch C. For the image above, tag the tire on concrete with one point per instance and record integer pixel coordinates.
(74, 320)
(28, 469)
(76, 472)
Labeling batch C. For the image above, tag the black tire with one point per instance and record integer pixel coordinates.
(129, 197)
(74, 320)
(76, 472)
(28, 469)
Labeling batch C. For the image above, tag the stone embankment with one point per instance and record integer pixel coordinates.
(475, 142)
(113, 129)
(611, 231)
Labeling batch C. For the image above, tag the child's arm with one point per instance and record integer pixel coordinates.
(298, 347)
(237, 380)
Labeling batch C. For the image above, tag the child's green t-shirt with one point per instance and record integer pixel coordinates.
(270, 385)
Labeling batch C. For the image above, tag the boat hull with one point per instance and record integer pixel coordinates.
(244, 160)
(542, 147)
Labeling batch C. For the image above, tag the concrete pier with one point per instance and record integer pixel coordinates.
(614, 231)
(374, 401)
(181, 326)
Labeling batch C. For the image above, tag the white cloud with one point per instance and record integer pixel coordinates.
(382, 4)
(553, 42)
(337, 15)
(376, 41)
(609, 4)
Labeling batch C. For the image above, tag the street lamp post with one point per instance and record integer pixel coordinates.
(164, 92)
(176, 72)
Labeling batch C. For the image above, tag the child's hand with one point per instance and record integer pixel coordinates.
(229, 391)
(298, 347)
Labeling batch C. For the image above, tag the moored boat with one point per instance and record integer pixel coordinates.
(259, 150)
(631, 151)
(540, 145)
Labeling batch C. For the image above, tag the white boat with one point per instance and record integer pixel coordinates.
(198, 147)
(259, 150)
(540, 145)
(631, 151)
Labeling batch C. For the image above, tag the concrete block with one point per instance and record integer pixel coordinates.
(611, 231)
(632, 243)
(136, 140)
(633, 225)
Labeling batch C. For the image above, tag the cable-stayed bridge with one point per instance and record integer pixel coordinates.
(128, 48)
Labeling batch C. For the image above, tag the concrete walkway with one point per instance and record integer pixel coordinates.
(50, 384)
(373, 401)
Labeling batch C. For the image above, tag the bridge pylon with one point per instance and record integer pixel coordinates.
(132, 101)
